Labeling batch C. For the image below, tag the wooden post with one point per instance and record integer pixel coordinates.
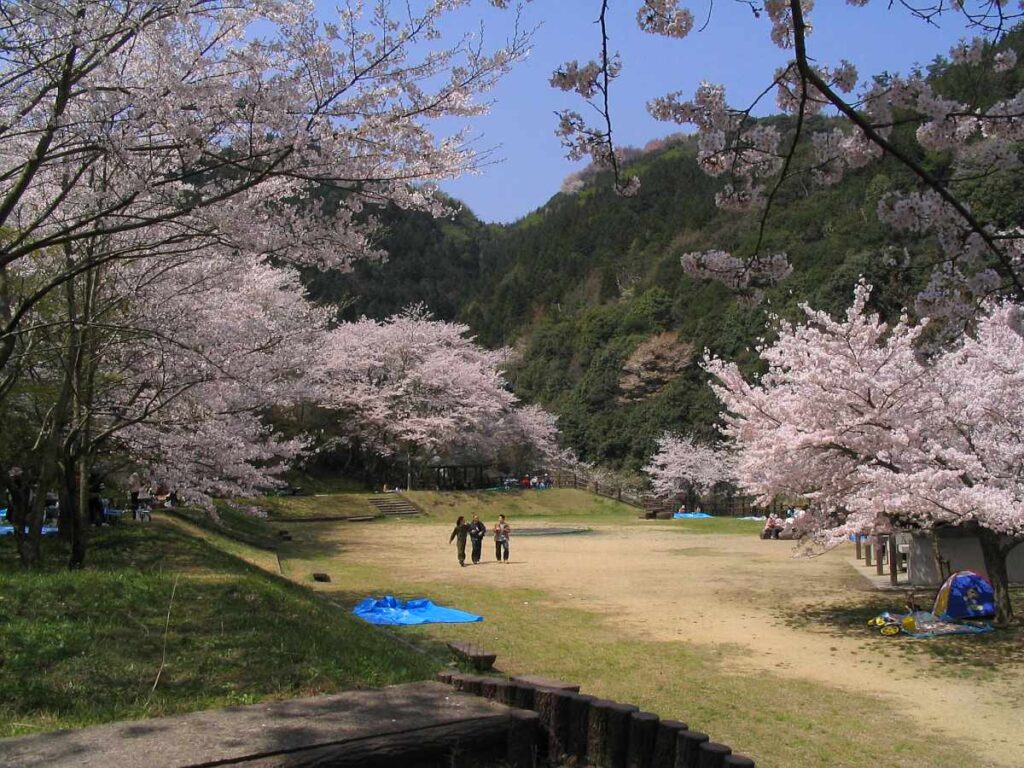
(521, 750)
(597, 732)
(738, 761)
(488, 689)
(522, 695)
(643, 731)
(553, 707)
(620, 717)
(687, 746)
(712, 755)
(578, 726)
(469, 683)
(665, 744)
(503, 691)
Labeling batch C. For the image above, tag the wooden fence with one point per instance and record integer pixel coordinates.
(719, 504)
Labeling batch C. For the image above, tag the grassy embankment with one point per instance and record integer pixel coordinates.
(554, 506)
(557, 506)
(110, 643)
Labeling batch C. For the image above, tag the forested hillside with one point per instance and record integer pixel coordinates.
(607, 329)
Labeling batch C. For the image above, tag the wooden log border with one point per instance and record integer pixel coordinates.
(607, 734)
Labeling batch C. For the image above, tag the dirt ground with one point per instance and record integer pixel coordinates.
(717, 589)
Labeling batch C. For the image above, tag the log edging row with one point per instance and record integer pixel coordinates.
(584, 730)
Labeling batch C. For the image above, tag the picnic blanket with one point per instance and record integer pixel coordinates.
(690, 515)
(924, 625)
(391, 611)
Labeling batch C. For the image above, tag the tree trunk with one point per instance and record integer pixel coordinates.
(995, 548)
(20, 498)
(48, 478)
(79, 516)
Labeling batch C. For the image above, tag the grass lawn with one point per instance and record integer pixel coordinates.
(284, 508)
(86, 647)
(82, 648)
(554, 505)
(824, 727)
(560, 505)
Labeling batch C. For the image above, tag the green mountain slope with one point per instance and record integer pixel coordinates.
(589, 290)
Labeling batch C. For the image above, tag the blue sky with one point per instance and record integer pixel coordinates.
(734, 50)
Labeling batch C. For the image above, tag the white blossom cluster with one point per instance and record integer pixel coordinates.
(850, 417)
(682, 463)
(734, 272)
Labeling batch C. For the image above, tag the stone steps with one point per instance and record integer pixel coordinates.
(394, 505)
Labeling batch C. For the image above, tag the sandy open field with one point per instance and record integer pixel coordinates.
(718, 589)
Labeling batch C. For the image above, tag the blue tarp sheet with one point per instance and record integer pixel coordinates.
(690, 515)
(393, 612)
(8, 530)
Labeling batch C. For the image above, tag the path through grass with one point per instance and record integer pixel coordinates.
(779, 722)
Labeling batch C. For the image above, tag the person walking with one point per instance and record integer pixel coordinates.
(477, 531)
(459, 534)
(502, 534)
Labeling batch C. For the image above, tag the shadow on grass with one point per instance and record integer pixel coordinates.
(233, 523)
(960, 655)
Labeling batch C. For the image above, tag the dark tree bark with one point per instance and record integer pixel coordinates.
(995, 548)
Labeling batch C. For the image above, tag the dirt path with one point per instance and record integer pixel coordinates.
(711, 589)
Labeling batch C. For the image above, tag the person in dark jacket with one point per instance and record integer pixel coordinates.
(477, 530)
(502, 534)
(459, 534)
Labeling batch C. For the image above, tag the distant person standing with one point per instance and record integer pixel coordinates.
(459, 534)
(502, 533)
(134, 488)
(477, 531)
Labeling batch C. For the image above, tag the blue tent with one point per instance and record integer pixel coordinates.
(965, 595)
(390, 611)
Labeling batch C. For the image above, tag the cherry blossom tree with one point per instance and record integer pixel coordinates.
(170, 363)
(155, 156)
(681, 463)
(200, 122)
(412, 386)
(849, 416)
(523, 439)
(208, 349)
(756, 159)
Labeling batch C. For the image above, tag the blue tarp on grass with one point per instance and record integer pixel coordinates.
(690, 515)
(8, 530)
(390, 611)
